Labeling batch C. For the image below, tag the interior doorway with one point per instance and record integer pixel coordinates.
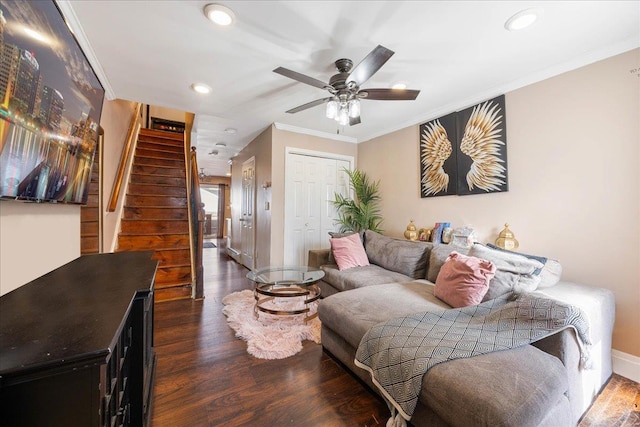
(213, 197)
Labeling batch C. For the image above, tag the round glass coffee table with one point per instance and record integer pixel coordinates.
(285, 282)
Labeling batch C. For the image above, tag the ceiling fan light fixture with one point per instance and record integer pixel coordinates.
(343, 116)
(219, 14)
(354, 108)
(523, 19)
(332, 110)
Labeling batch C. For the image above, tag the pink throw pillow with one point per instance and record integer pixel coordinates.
(463, 280)
(348, 251)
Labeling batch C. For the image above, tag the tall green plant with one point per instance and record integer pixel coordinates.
(361, 213)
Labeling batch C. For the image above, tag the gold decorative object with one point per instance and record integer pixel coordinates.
(506, 239)
(424, 234)
(411, 232)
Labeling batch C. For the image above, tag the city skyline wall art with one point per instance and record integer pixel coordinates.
(50, 106)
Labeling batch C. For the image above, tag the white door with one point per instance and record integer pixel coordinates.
(247, 218)
(310, 186)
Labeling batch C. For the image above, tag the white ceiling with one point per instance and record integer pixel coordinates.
(456, 52)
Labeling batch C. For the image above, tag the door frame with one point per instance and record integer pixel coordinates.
(252, 200)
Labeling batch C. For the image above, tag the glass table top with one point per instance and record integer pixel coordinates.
(293, 274)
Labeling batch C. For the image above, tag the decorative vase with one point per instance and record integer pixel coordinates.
(411, 232)
(506, 239)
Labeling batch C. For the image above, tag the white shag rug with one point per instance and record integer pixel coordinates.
(270, 336)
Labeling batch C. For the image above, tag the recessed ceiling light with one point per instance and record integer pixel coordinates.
(201, 88)
(219, 14)
(230, 130)
(399, 86)
(523, 19)
(220, 144)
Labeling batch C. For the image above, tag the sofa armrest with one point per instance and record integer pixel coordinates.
(318, 257)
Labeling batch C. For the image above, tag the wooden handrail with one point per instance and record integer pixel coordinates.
(198, 215)
(127, 151)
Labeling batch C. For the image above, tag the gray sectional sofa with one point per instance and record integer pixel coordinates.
(539, 384)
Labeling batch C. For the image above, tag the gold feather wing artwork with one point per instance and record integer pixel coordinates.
(481, 141)
(435, 149)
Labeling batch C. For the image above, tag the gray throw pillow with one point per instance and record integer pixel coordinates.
(549, 274)
(514, 272)
(402, 256)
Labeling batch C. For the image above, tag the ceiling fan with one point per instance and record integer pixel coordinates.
(344, 103)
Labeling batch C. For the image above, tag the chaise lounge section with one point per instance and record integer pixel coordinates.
(541, 384)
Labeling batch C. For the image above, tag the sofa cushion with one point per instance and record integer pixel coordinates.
(514, 272)
(437, 256)
(351, 314)
(348, 251)
(463, 280)
(530, 383)
(402, 256)
(337, 235)
(357, 277)
(549, 274)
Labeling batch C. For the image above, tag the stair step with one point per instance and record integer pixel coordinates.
(159, 154)
(155, 212)
(172, 293)
(156, 201)
(169, 274)
(156, 189)
(164, 241)
(178, 172)
(152, 133)
(161, 146)
(158, 180)
(173, 256)
(143, 227)
(152, 161)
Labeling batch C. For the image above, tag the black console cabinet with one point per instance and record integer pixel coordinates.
(76, 345)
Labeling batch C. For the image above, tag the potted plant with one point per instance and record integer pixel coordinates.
(362, 212)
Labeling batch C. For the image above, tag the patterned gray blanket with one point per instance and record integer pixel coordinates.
(397, 353)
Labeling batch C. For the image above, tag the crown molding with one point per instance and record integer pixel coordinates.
(305, 131)
(74, 25)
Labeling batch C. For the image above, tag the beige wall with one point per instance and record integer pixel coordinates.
(281, 140)
(574, 186)
(269, 149)
(35, 238)
(260, 148)
(115, 120)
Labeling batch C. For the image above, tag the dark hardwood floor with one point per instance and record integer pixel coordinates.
(205, 377)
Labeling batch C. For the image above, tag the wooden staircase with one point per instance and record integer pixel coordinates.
(155, 213)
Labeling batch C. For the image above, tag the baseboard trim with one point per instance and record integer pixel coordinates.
(626, 365)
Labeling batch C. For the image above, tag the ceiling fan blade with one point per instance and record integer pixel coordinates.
(309, 105)
(389, 94)
(369, 65)
(301, 78)
(354, 120)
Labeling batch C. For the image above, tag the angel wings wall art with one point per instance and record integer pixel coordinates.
(465, 152)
